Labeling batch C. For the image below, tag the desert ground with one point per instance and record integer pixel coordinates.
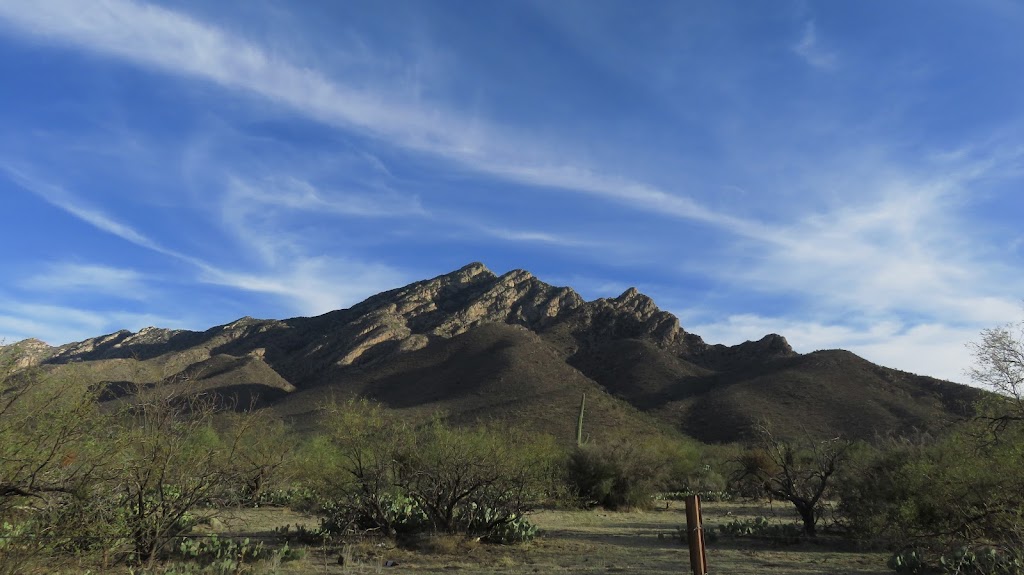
(574, 541)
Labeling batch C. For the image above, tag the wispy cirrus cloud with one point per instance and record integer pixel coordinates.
(68, 202)
(313, 284)
(810, 49)
(59, 324)
(59, 197)
(908, 248)
(159, 38)
(533, 236)
(897, 276)
(91, 278)
(292, 193)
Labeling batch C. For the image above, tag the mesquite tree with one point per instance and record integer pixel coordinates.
(800, 472)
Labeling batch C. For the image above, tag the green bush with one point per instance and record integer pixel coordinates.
(949, 492)
(375, 473)
(625, 473)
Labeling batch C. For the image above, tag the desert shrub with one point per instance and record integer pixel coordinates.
(709, 480)
(51, 440)
(172, 462)
(298, 497)
(801, 471)
(951, 492)
(711, 496)
(263, 461)
(400, 513)
(378, 473)
(170, 466)
(511, 530)
(353, 467)
(626, 473)
(473, 481)
(121, 482)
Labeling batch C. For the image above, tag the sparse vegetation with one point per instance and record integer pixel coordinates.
(629, 473)
(135, 481)
(386, 476)
(800, 472)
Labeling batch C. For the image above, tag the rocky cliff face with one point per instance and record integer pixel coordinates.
(409, 318)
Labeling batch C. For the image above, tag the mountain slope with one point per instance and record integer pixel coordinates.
(513, 348)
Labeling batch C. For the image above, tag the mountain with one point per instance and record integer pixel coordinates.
(514, 349)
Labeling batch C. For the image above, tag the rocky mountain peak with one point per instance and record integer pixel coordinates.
(630, 293)
(411, 317)
(468, 273)
(775, 344)
(22, 354)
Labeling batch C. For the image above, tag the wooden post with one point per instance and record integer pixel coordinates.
(695, 536)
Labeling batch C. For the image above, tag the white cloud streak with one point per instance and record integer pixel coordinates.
(58, 325)
(532, 236)
(62, 199)
(810, 50)
(313, 285)
(296, 194)
(94, 278)
(155, 37)
(908, 251)
(316, 285)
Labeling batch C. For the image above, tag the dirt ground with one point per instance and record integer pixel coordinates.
(579, 542)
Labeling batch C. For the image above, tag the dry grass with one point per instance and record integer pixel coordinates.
(578, 542)
(573, 542)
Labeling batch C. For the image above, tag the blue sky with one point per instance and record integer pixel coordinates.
(847, 174)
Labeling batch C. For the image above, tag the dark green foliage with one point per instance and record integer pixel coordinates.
(938, 494)
(379, 474)
(400, 513)
(955, 501)
(627, 474)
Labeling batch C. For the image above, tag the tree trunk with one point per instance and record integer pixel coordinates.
(806, 512)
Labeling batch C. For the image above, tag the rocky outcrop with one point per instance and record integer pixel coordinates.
(22, 355)
(410, 318)
(728, 358)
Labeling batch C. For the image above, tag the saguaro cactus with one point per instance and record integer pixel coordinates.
(579, 422)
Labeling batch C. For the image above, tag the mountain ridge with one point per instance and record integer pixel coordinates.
(624, 347)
